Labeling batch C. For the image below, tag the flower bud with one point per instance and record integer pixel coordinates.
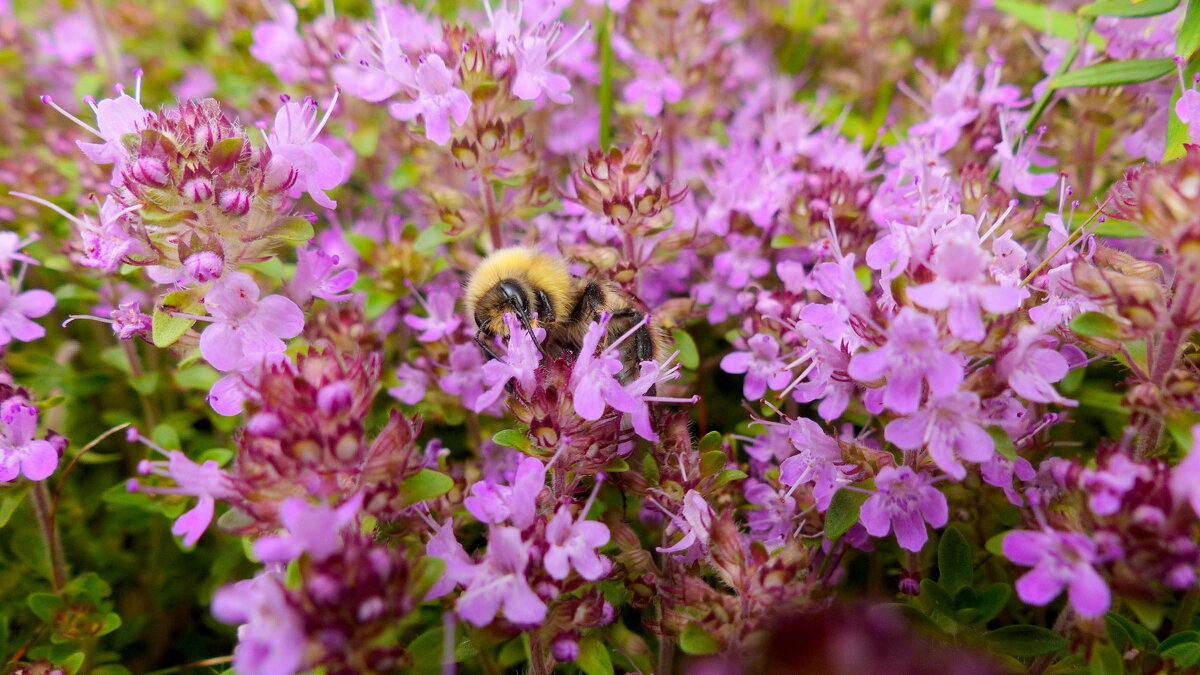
(267, 425)
(204, 266)
(234, 201)
(197, 190)
(335, 398)
(150, 170)
(565, 648)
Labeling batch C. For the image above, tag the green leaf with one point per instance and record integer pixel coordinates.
(1182, 648)
(10, 499)
(1003, 443)
(594, 658)
(1114, 73)
(1045, 19)
(995, 544)
(431, 237)
(954, 561)
(710, 442)
(1189, 32)
(650, 469)
(427, 573)
(728, 476)
(1106, 660)
(1115, 228)
(426, 649)
(689, 356)
(617, 465)
(1025, 640)
(843, 512)
(295, 230)
(199, 377)
(145, 384)
(225, 153)
(112, 621)
(44, 605)
(1097, 324)
(512, 438)
(991, 601)
(1149, 613)
(712, 462)
(72, 663)
(697, 642)
(1125, 633)
(1127, 9)
(167, 329)
(426, 484)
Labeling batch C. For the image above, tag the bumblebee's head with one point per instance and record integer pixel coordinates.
(507, 296)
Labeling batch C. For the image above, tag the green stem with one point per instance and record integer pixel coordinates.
(1039, 107)
(44, 514)
(605, 93)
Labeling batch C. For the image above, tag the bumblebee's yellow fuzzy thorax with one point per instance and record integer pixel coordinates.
(527, 265)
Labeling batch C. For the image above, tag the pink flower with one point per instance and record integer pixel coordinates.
(20, 453)
(465, 378)
(206, 481)
(947, 427)
(762, 366)
(115, 117)
(271, 637)
(571, 544)
(593, 377)
(695, 522)
(16, 310)
(318, 276)
(293, 141)
(10, 250)
(311, 528)
(1031, 368)
(277, 42)
(413, 381)
(911, 355)
(459, 568)
(534, 75)
(1185, 476)
(442, 321)
(499, 583)
(493, 503)
(1059, 559)
(519, 363)
(963, 288)
(653, 84)
(905, 501)
(1188, 110)
(245, 327)
(437, 100)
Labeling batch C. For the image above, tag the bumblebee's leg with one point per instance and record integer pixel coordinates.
(487, 349)
(588, 307)
(545, 308)
(638, 348)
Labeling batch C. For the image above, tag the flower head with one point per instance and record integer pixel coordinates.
(912, 355)
(571, 544)
(245, 327)
(500, 583)
(905, 500)
(437, 99)
(1059, 559)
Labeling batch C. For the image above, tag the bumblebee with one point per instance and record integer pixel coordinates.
(540, 291)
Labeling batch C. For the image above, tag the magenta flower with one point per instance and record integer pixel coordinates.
(651, 374)
(761, 364)
(653, 85)
(911, 355)
(465, 378)
(442, 321)
(904, 502)
(1188, 110)
(10, 251)
(116, 118)
(695, 522)
(1016, 167)
(1031, 368)
(1108, 486)
(16, 310)
(317, 276)
(1000, 472)
(519, 363)
(271, 638)
(963, 288)
(437, 100)
(293, 141)
(460, 571)
(492, 503)
(1059, 559)
(500, 584)
(534, 76)
(311, 528)
(817, 461)
(277, 42)
(947, 427)
(206, 481)
(413, 381)
(571, 544)
(20, 452)
(1185, 476)
(593, 377)
(245, 327)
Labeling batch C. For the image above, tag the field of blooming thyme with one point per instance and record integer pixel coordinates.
(926, 275)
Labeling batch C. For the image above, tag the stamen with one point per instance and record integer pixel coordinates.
(337, 91)
(50, 205)
(50, 102)
(587, 25)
